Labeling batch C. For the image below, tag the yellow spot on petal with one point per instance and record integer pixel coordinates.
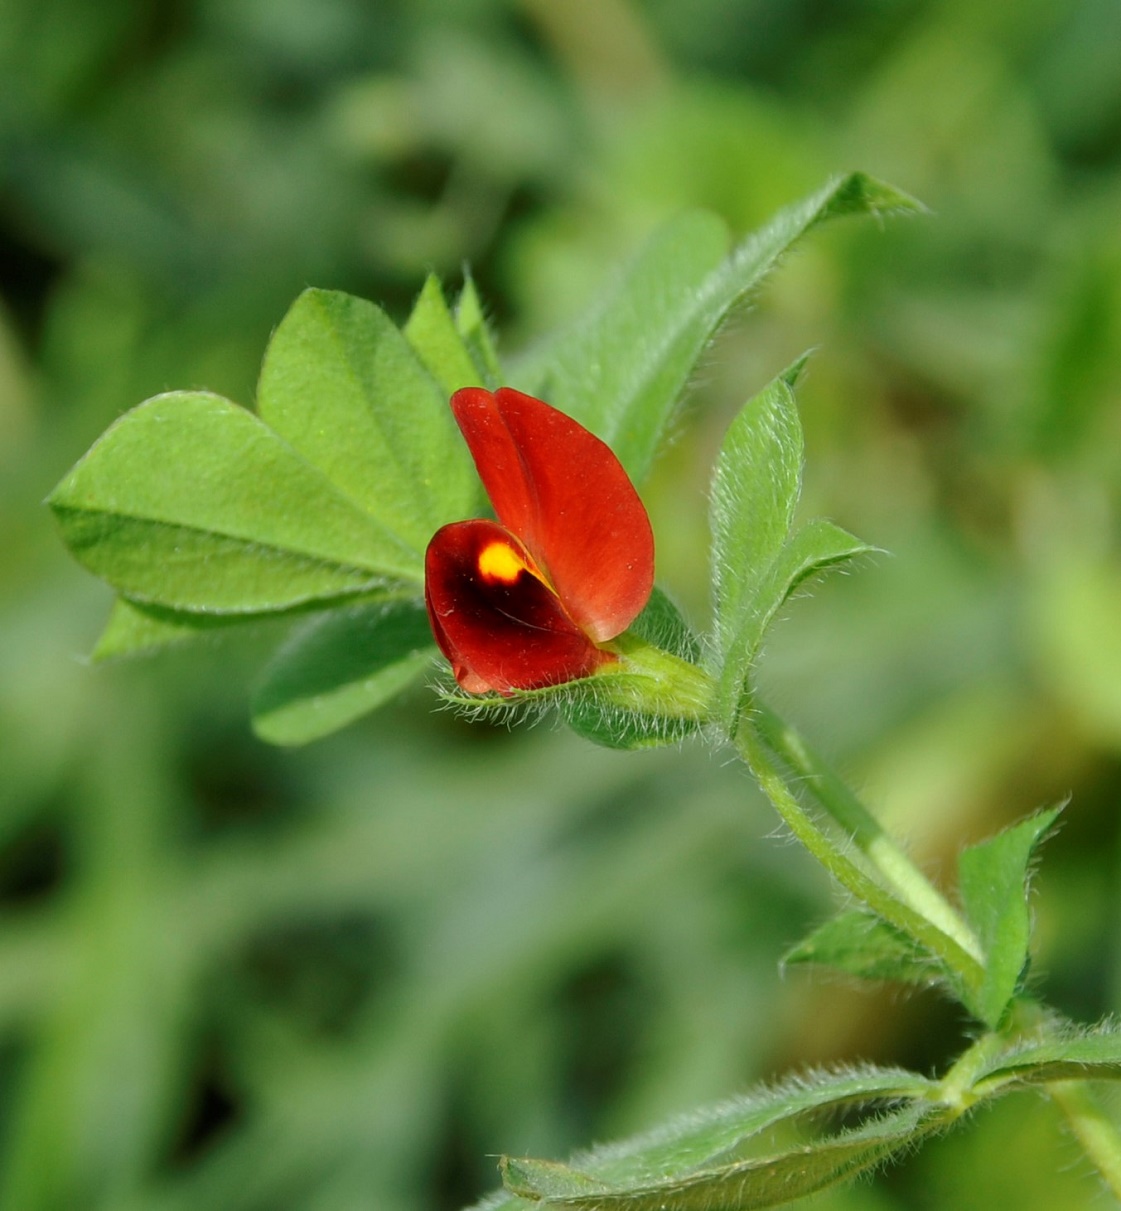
(499, 561)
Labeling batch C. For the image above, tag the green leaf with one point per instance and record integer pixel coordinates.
(471, 323)
(856, 193)
(339, 665)
(755, 488)
(723, 1131)
(191, 502)
(1063, 1053)
(343, 387)
(432, 333)
(993, 879)
(726, 1152)
(757, 561)
(623, 369)
(792, 375)
(769, 1181)
(134, 628)
(726, 1156)
(620, 371)
(334, 667)
(815, 547)
(862, 944)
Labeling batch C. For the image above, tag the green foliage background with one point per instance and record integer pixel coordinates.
(347, 976)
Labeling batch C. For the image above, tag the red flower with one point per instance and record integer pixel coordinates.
(527, 601)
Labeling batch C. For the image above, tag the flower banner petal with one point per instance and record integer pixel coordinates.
(566, 496)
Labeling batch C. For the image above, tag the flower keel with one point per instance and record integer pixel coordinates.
(495, 618)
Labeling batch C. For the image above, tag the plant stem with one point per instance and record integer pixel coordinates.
(1092, 1127)
(887, 901)
(958, 1087)
(881, 849)
(909, 901)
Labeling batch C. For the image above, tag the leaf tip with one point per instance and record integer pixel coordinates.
(793, 373)
(864, 192)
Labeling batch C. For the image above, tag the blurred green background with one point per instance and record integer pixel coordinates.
(346, 977)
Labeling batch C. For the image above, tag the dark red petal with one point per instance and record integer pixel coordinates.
(566, 496)
(501, 627)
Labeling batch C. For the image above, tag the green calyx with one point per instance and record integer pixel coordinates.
(649, 697)
(656, 682)
(646, 698)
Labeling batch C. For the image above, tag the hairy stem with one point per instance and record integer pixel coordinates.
(880, 848)
(958, 1088)
(904, 896)
(1092, 1127)
(884, 898)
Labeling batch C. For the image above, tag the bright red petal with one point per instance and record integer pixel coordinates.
(501, 627)
(566, 496)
